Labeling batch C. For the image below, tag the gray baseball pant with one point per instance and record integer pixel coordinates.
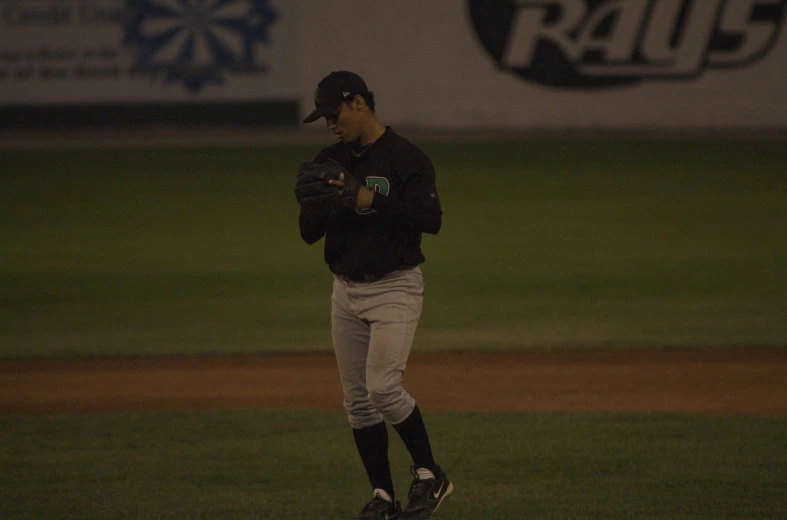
(372, 327)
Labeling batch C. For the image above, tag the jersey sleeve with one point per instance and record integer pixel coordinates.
(419, 206)
(313, 225)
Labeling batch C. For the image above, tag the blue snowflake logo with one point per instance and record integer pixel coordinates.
(195, 42)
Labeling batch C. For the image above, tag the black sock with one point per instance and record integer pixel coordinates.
(413, 433)
(372, 443)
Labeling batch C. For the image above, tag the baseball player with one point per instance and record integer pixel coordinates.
(372, 195)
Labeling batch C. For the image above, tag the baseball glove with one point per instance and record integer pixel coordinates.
(313, 188)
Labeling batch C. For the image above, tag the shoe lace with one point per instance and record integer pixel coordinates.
(376, 503)
(418, 487)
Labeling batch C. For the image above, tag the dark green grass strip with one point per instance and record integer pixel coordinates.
(544, 244)
(275, 465)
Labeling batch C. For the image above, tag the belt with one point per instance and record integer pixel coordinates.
(372, 277)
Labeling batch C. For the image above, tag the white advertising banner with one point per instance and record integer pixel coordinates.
(143, 51)
(558, 63)
(526, 64)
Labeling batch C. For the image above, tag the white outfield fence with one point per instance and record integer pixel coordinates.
(453, 64)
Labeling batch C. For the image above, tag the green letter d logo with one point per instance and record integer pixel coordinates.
(378, 184)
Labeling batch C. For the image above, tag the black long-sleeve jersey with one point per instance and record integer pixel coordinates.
(386, 236)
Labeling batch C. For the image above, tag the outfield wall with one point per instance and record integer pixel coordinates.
(581, 64)
(429, 66)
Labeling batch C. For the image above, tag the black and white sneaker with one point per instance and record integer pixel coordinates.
(380, 509)
(425, 496)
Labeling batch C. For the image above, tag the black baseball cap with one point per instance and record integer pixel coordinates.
(333, 90)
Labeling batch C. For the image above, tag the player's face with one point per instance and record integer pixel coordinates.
(344, 123)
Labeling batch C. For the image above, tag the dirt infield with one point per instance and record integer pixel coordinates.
(707, 381)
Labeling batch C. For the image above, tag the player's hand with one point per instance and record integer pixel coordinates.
(349, 188)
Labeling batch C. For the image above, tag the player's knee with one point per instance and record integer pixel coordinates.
(382, 391)
(387, 399)
(380, 400)
(393, 406)
(364, 419)
(359, 407)
(361, 413)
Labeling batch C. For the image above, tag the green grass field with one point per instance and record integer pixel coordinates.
(291, 465)
(544, 244)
